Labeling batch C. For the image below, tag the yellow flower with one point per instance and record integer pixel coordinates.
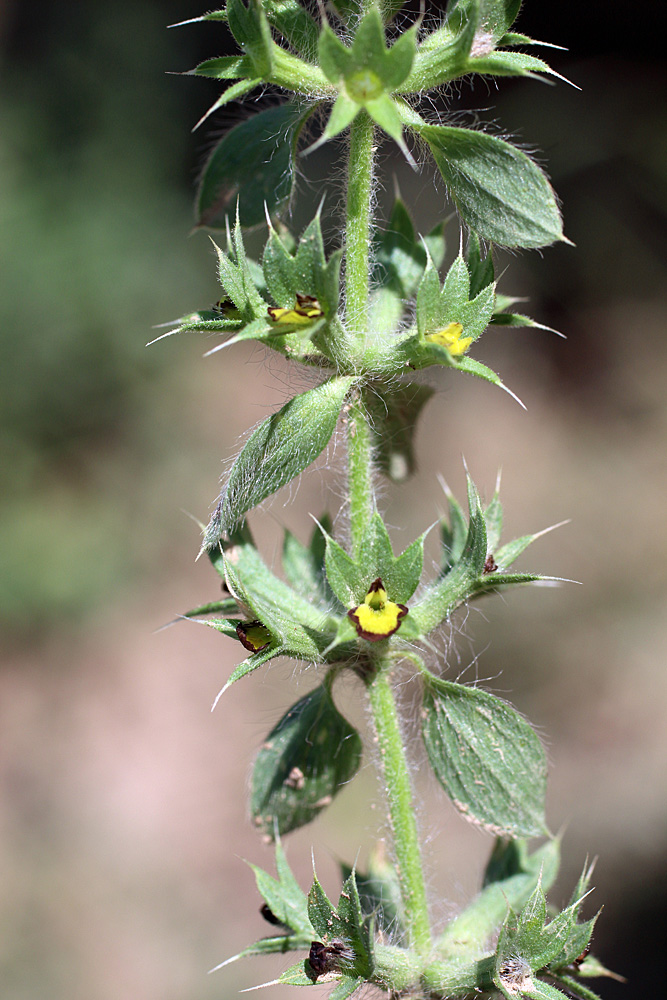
(377, 618)
(306, 309)
(451, 338)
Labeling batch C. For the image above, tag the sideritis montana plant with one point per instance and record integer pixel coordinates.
(364, 318)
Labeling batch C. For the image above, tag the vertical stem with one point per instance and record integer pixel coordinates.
(358, 224)
(383, 706)
(359, 472)
(401, 809)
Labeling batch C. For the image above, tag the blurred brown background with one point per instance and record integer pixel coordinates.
(123, 819)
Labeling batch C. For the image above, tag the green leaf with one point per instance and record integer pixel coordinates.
(254, 163)
(461, 579)
(493, 18)
(299, 627)
(508, 553)
(258, 329)
(295, 24)
(343, 113)
(437, 308)
(480, 267)
(250, 28)
(393, 413)
(384, 112)
(276, 452)
(473, 367)
(224, 68)
(251, 664)
(237, 280)
(501, 318)
(486, 757)
(356, 930)
(350, 579)
(321, 911)
(543, 991)
(510, 879)
(493, 515)
(227, 606)
(234, 93)
(511, 64)
(380, 895)
(498, 190)
(448, 322)
(304, 568)
(346, 987)
(453, 534)
(366, 74)
(538, 943)
(227, 626)
(278, 945)
(306, 759)
(443, 54)
(296, 975)
(369, 51)
(401, 257)
(284, 896)
(514, 38)
(344, 924)
(304, 272)
(520, 871)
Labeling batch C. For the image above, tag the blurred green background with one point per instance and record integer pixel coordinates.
(123, 818)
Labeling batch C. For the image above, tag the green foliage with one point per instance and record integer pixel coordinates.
(470, 565)
(239, 168)
(380, 895)
(350, 578)
(486, 757)
(346, 923)
(296, 774)
(277, 451)
(366, 74)
(368, 315)
(499, 191)
(304, 272)
(530, 943)
(511, 876)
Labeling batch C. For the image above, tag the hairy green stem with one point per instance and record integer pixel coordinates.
(398, 790)
(360, 472)
(358, 224)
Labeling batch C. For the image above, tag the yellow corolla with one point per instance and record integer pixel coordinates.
(450, 337)
(377, 618)
(306, 309)
(253, 635)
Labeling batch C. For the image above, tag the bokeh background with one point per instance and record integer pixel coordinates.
(123, 824)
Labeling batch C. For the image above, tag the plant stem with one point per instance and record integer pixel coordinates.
(358, 224)
(401, 809)
(360, 472)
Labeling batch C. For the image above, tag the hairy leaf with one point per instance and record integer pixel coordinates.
(462, 576)
(306, 759)
(277, 451)
(499, 191)
(350, 579)
(284, 896)
(252, 162)
(487, 758)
